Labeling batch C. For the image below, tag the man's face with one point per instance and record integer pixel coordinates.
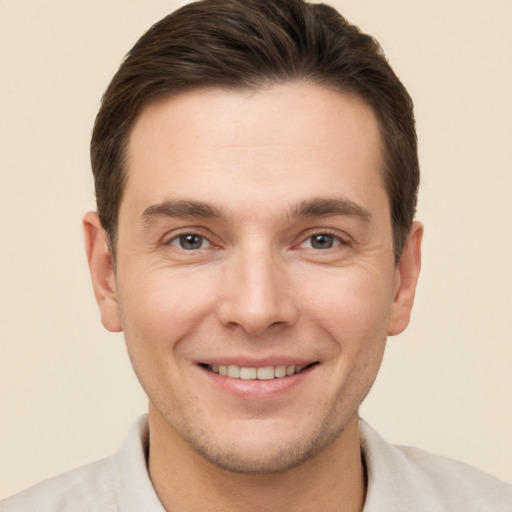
(255, 239)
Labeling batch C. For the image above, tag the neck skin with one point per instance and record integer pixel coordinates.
(332, 481)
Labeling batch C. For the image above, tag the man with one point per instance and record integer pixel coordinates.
(256, 175)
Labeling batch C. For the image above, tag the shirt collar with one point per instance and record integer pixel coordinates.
(132, 485)
(134, 490)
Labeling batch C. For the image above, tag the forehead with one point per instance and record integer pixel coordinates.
(281, 143)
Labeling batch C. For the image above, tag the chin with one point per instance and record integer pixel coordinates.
(262, 453)
(253, 461)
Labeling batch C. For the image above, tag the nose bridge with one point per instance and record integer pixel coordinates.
(256, 295)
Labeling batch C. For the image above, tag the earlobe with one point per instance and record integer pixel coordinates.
(406, 279)
(102, 271)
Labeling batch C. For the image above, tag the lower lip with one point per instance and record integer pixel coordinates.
(257, 389)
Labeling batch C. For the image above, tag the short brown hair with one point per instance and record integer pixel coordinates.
(248, 44)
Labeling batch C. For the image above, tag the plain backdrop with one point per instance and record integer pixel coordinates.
(68, 394)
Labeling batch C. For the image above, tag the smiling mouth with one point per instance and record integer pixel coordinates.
(262, 373)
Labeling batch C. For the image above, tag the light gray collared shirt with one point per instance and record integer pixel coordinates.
(400, 479)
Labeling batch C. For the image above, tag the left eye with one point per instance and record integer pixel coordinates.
(190, 242)
(321, 241)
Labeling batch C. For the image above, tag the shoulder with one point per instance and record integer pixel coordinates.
(88, 488)
(120, 482)
(455, 484)
(407, 478)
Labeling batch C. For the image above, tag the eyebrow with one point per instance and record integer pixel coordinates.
(180, 209)
(323, 207)
(316, 207)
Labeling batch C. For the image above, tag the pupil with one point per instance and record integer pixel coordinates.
(191, 241)
(322, 241)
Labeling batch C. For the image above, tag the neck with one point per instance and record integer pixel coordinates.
(331, 481)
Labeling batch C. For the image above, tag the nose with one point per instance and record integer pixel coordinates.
(256, 294)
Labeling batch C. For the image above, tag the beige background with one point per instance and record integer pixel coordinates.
(68, 394)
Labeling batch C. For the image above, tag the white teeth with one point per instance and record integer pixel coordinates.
(233, 371)
(280, 371)
(248, 373)
(263, 373)
(266, 373)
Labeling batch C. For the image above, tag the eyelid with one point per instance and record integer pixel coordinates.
(177, 239)
(175, 234)
(344, 239)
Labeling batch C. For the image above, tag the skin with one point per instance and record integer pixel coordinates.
(267, 172)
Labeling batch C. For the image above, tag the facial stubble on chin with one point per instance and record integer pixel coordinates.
(230, 457)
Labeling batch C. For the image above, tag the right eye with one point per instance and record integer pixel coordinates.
(190, 242)
(321, 241)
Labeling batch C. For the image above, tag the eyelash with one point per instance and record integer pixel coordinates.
(336, 238)
(178, 240)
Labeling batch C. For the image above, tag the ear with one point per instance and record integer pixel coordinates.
(406, 279)
(102, 271)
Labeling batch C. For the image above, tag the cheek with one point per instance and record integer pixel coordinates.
(161, 308)
(352, 301)
(353, 309)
